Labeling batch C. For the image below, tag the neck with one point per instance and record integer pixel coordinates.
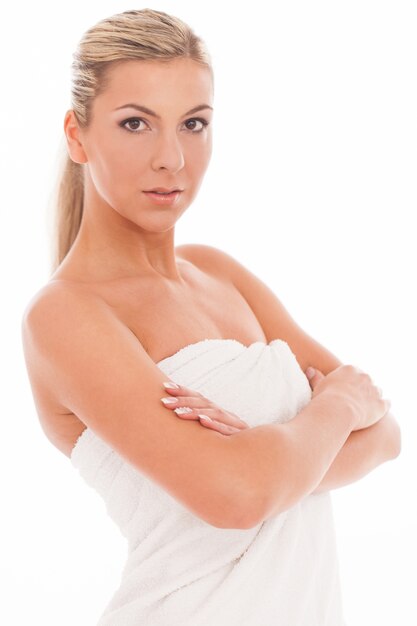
(109, 245)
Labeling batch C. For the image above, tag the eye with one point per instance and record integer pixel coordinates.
(202, 121)
(132, 124)
(133, 121)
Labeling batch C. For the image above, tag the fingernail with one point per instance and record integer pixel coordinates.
(169, 400)
(182, 409)
(204, 417)
(310, 371)
(171, 385)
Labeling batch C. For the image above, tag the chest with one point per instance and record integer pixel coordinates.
(164, 320)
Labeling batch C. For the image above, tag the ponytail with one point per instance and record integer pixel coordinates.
(69, 207)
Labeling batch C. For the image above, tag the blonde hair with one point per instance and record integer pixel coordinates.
(142, 35)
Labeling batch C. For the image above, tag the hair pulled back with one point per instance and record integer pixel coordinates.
(143, 34)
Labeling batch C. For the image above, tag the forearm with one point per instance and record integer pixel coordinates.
(362, 452)
(279, 464)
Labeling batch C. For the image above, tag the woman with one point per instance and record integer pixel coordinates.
(221, 486)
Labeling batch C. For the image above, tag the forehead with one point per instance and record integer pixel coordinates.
(150, 82)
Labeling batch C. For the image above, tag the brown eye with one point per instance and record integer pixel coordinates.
(198, 120)
(133, 122)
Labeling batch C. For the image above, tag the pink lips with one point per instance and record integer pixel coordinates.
(164, 199)
(164, 189)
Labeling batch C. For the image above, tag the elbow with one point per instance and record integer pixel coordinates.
(252, 510)
(257, 490)
(242, 518)
(244, 514)
(285, 496)
(257, 501)
(248, 516)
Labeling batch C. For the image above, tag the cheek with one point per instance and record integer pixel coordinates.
(121, 165)
(199, 157)
(124, 156)
(113, 174)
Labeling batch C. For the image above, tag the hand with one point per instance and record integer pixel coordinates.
(356, 387)
(197, 407)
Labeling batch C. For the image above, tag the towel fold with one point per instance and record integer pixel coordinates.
(182, 570)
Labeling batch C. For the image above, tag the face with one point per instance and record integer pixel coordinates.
(128, 151)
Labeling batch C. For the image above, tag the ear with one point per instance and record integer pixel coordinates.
(73, 136)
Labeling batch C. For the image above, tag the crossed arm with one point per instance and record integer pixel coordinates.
(362, 452)
(364, 449)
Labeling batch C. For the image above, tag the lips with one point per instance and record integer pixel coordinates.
(162, 190)
(166, 198)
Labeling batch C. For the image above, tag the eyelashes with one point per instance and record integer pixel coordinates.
(139, 119)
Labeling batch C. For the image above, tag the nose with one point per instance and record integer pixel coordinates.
(168, 153)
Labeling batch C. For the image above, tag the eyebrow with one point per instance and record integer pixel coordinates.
(144, 109)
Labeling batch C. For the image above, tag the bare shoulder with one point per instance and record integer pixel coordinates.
(218, 261)
(56, 293)
(49, 296)
(209, 259)
(50, 311)
(274, 318)
(46, 327)
(101, 373)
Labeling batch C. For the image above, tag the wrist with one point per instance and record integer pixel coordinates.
(342, 407)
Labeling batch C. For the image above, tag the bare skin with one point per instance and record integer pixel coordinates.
(124, 254)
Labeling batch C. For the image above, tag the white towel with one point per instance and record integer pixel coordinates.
(181, 570)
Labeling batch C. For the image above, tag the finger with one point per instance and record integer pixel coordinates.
(187, 413)
(182, 403)
(314, 375)
(180, 390)
(224, 429)
(225, 417)
(194, 402)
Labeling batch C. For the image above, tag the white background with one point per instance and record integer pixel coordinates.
(312, 185)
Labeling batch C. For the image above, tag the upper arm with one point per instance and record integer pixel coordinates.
(273, 317)
(99, 370)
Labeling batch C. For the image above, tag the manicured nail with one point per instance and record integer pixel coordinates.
(182, 409)
(171, 385)
(204, 417)
(169, 400)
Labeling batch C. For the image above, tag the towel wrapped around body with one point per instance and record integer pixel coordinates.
(182, 570)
